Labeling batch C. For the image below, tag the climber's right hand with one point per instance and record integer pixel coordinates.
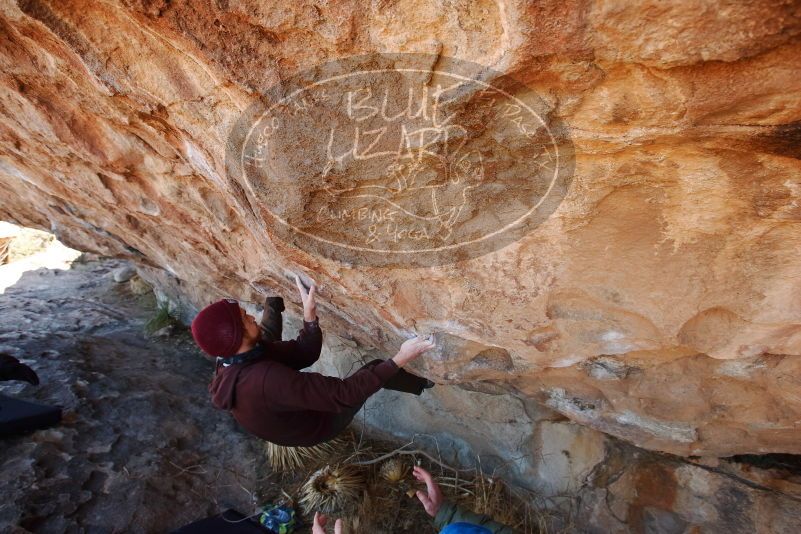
(411, 350)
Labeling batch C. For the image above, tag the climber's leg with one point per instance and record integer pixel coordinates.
(271, 322)
(405, 382)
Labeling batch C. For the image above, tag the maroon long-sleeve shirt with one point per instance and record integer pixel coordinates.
(272, 399)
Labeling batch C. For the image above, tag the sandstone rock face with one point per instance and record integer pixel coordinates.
(659, 299)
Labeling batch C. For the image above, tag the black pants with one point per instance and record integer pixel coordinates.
(403, 381)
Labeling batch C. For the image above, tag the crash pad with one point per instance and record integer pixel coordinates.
(19, 416)
(221, 524)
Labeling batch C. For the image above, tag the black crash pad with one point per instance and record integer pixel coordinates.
(219, 525)
(18, 416)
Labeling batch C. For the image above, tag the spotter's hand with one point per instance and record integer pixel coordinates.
(307, 297)
(432, 497)
(320, 521)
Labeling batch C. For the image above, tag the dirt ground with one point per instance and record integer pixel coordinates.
(140, 448)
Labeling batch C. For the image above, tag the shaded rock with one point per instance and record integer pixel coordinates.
(643, 492)
(124, 274)
(566, 456)
(138, 286)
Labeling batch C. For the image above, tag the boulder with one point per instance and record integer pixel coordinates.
(652, 292)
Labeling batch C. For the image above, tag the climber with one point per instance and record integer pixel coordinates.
(448, 518)
(258, 376)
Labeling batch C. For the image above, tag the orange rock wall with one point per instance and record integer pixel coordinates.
(660, 303)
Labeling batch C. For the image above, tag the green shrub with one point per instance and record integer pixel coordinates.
(163, 317)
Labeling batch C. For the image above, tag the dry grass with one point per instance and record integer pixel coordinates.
(285, 459)
(523, 510)
(393, 507)
(369, 484)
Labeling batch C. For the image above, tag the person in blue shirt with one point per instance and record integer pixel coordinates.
(448, 517)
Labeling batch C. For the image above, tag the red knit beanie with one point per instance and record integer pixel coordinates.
(218, 328)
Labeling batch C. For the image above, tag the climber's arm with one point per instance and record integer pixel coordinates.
(304, 350)
(300, 352)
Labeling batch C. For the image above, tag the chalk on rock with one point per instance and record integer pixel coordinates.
(123, 274)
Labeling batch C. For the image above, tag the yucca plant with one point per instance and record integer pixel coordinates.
(283, 458)
(394, 470)
(333, 490)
